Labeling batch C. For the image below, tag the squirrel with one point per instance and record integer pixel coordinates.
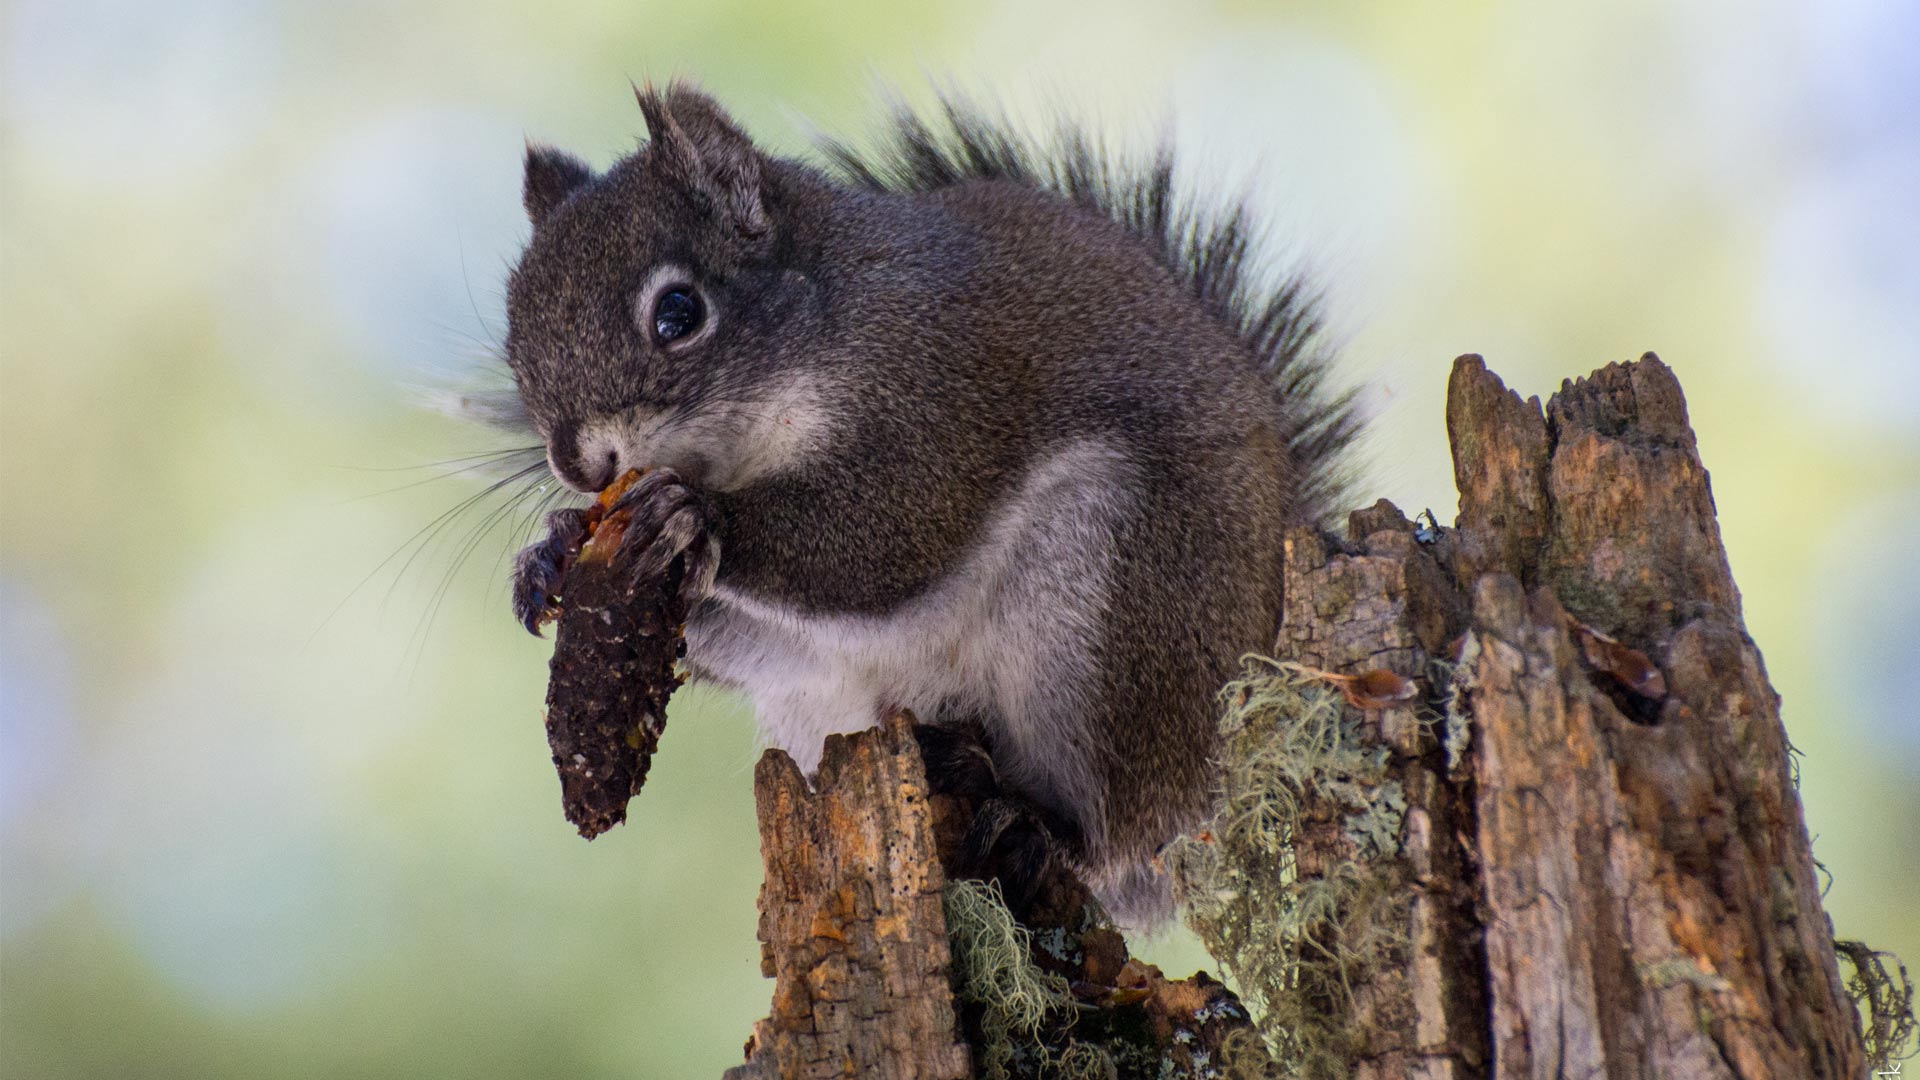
(991, 428)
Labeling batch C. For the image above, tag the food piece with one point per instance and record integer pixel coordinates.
(607, 527)
(1376, 688)
(1379, 689)
(613, 670)
(603, 536)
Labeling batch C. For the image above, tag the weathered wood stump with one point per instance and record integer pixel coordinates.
(854, 930)
(1648, 891)
(851, 923)
(1577, 852)
(1602, 868)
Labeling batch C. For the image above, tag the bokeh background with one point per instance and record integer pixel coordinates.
(274, 803)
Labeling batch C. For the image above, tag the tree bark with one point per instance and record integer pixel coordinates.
(1610, 874)
(854, 932)
(1385, 601)
(1601, 868)
(1648, 892)
(851, 924)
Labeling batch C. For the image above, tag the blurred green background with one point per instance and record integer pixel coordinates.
(270, 806)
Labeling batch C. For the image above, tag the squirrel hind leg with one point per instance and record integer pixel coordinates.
(1034, 852)
(958, 762)
(1008, 842)
(1007, 837)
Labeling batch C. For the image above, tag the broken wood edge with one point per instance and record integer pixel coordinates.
(1573, 877)
(885, 968)
(1604, 876)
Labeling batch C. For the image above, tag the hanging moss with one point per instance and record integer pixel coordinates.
(1883, 994)
(1300, 946)
(1023, 1010)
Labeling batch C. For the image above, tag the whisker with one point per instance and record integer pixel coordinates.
(463, 551)
(449, 474)
(522, 534)
(483, 349)
(414, 545)
(466, 282)
(486, 455)
(445, 521)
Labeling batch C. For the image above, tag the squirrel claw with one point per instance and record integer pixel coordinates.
(539, 568)
(1009, 843)
(670, 521)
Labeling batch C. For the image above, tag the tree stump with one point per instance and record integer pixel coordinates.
(1649, 896)
(1578, 852)
(851, 923)
(1602, 868)
(854, 930)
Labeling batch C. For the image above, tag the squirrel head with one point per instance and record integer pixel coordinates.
(664, 312)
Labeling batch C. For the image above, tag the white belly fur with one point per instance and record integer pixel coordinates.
(1012, 632)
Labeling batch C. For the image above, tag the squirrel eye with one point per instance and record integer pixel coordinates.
(677, 313)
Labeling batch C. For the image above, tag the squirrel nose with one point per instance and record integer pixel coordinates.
(587, 469)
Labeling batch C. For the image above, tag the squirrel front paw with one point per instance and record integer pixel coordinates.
(669, 521)
(539, 568)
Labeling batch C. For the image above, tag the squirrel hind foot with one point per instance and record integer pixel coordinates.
(1007, 838)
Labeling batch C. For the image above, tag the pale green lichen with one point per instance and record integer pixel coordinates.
(1019, 1004)
(1375, 830)
(1456, 721)
(1680, 969)
(1299, 945)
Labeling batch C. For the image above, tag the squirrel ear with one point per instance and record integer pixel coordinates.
(700, 143)
(552, 175)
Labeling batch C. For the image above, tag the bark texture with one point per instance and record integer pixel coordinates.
(868, 982)
(1386, 602)
(1601, 868)
(851, 924)
(1648, 890)
(1606, 868)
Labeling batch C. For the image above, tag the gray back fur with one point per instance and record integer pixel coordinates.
(1206, 241)
(989, 426)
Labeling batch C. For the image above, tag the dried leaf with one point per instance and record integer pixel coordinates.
(1630, 666)
(1378, 689)
(1374, 689)
(1137, 974)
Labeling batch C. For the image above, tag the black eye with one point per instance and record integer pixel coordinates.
(677, 313)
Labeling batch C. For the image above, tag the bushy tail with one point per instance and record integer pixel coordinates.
(1207, 246)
